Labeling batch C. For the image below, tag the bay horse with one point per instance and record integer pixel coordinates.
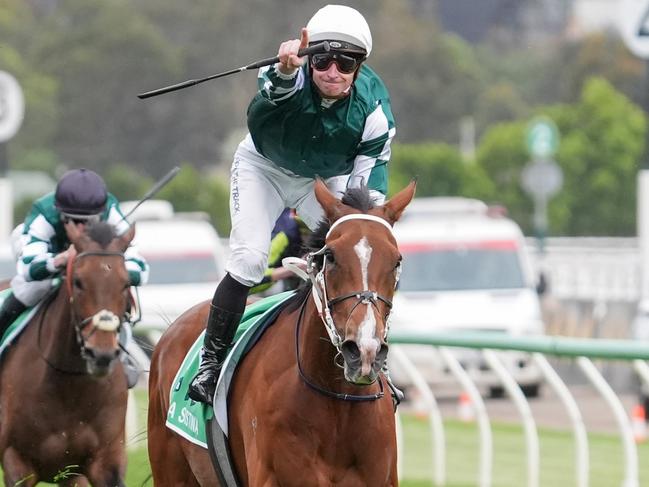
(306, 406)
(63, 391)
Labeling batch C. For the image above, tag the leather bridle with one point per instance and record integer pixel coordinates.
(319, 285)
(324, 304)
(103, 320)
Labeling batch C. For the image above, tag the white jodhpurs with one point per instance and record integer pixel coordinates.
(30, 292)
(259, 192)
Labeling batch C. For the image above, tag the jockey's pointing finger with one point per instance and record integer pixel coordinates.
(304, 38)
(288, 59)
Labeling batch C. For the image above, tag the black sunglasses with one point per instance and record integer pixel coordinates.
(346, 64)
(77, 219)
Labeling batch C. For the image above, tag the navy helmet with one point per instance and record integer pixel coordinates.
(81, 194)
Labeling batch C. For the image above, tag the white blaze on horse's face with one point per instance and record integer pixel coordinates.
(367, 341)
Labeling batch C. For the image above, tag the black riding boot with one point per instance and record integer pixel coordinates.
(9, 311)
(221, 327)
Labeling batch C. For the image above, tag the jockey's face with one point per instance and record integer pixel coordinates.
(331, 82)
(80, 220)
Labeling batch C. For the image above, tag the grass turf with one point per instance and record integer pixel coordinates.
(509, 461)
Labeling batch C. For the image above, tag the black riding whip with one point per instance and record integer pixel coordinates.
(156, 187)
(315, 49)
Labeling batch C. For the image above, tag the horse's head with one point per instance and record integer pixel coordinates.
(355, 274)
(98, 287)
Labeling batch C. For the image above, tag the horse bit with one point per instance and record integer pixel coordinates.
(324, 304)
(319, 284)
(103, 320)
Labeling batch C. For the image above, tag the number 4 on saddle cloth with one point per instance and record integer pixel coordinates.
(189, 418)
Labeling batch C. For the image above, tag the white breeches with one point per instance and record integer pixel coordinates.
(259, 192)
(30, 292)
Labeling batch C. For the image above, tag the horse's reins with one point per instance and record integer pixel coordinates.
(103, 320)
(46, 302)
(323, 305)
(316, 387)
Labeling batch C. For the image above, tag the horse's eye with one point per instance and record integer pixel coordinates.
(329, 255)
(77, 284)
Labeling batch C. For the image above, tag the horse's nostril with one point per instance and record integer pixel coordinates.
(351, 352)
(104, 360)
(382, 354)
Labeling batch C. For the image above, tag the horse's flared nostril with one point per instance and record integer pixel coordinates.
(103, 360)
(351, 354)
(100, 362)
(381, 356)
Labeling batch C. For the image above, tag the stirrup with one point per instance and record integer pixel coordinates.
(397, 394)
(131, 370)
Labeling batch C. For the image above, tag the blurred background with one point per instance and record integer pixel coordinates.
(471, 82)
(538, 108)
(465, 79)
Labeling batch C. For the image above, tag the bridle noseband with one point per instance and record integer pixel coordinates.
(319, 284)
(103, 320)
(324, 304)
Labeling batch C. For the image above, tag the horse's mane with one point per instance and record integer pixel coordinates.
(358, 198)
(101, 232)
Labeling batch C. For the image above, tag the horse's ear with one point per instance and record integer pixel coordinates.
(394, 207)
(125, 240)
(331, 205)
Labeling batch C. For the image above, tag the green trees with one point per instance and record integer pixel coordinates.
(602, 142)
(439, 170)
(81, 64)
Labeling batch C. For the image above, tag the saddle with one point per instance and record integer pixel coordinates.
(19, 324)
(207, 426)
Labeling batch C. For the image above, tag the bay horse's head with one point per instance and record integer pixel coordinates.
(98, 286)
(354, 276)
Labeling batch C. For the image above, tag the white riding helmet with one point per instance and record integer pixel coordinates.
(340, 23)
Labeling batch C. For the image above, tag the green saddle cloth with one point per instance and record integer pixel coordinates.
(188, 418)
(17, 326)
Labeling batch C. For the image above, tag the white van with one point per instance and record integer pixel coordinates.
(186, 258)
(466, 268)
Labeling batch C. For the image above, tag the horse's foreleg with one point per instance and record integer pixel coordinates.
(169, 464)
(17, 471)
(108, 468)
(75, 481)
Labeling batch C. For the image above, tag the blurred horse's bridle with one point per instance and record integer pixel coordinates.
(102, 320)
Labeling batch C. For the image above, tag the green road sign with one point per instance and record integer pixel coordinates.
(542, 138)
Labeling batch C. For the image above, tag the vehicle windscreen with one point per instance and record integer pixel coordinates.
(182, 269)
(456, 267)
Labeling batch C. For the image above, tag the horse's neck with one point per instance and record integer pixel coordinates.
(56, 333)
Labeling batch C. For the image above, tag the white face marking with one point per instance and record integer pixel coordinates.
(367, 341)
(364, 252)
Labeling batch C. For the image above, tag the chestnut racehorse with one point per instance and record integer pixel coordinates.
(63, 391)
(306, 407)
